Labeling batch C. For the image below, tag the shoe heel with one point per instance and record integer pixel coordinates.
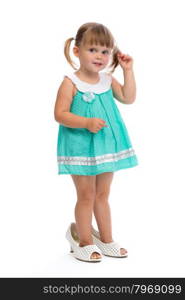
(71, 250)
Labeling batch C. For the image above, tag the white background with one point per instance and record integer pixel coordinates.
(147, 201)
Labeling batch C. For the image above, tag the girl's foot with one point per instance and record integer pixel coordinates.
(94, 255)
(108, 247)
(83, 251)
(123, 251)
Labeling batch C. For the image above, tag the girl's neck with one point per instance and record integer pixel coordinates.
(88, 76)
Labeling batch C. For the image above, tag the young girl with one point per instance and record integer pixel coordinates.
(93, 141)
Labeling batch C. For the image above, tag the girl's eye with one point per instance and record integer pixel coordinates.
(105, 52)
(92, 50)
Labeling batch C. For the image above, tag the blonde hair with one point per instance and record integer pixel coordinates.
(93, 33)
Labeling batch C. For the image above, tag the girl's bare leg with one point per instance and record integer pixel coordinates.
(102, 209)
(86, 190)
(101, 206)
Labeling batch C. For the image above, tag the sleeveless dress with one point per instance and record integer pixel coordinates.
(81, 152)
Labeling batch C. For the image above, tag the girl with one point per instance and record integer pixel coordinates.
(93, 141)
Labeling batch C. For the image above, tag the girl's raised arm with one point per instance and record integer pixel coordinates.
(117, 90)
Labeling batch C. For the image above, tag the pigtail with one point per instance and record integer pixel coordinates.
(67, 52)
(115, 60)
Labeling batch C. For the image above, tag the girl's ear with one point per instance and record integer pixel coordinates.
(76, 51)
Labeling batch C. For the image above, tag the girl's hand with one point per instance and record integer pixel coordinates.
(95, 124)
(125, 61)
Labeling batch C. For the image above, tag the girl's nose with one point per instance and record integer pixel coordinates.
(98, 55)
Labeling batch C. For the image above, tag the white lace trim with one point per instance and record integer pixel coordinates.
(102, 86)
(92, 161)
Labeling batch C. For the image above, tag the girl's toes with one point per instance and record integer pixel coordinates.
(123, 251)
(95, 255)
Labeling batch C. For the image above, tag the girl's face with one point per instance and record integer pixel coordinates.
(93, 58)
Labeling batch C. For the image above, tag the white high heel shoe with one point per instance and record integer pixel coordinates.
(111, 249)
(82, 253)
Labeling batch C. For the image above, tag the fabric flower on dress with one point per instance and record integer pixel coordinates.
(88, 97)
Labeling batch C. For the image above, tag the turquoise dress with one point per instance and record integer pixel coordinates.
(81, 152)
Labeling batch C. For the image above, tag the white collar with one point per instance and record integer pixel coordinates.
(102, 86)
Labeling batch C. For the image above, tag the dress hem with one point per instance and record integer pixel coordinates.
(98, 172)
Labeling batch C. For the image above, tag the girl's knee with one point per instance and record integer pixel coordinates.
(85, 187)
(86, 195)
(102, 195)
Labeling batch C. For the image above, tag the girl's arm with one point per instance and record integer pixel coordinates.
(125, 93)
(63, 102)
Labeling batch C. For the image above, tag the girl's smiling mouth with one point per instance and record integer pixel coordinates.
(97, 64)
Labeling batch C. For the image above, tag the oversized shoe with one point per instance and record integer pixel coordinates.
(82, 253)
(111, 249)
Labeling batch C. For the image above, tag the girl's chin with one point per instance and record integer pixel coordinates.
(95, 69)
(98, 68)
